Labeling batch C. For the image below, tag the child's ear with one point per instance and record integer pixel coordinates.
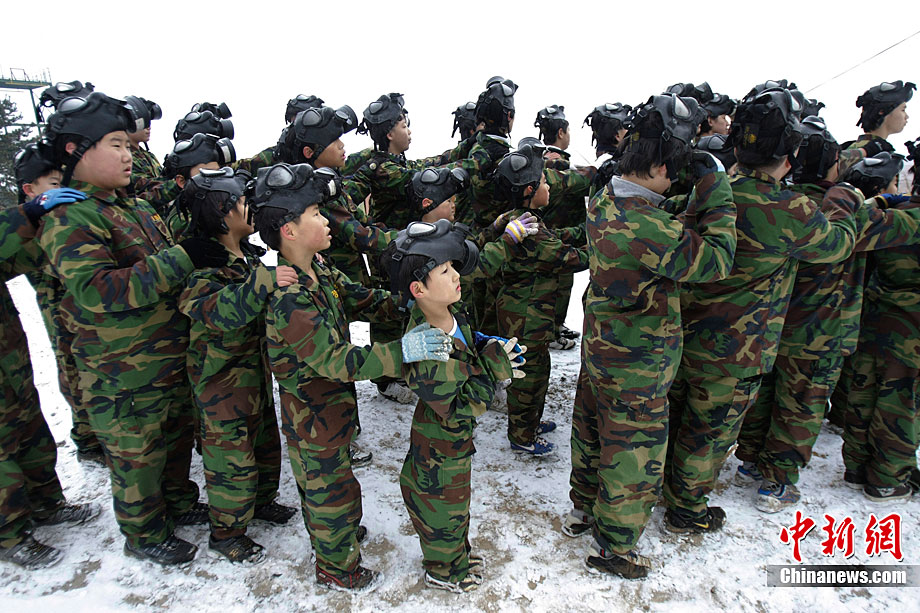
(528, 191)
(29, 191)
(427, 202)
(416, 288)
(307, 152)
(287, 231)
(70, 148)
(180, 181)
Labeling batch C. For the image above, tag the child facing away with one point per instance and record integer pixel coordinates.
(316, 365)
(425, 262)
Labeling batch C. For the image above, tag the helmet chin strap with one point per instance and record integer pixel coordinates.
(73, 160)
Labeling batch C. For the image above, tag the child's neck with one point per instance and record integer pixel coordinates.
(302, 260)
(880, 132)
(439, 317)
(232, 242)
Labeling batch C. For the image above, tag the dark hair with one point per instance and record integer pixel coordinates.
(60, 147)
(549, 130)
(185, 172)
(873, 115)
(266, 219)
(378, 133)
(639, 154)
(292, 150)
(409, 264)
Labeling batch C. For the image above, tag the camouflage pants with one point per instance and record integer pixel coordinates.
(563, 295)
(618, 453)
(435, 486)
(781, 428)
(841, 394)
(330, 499)
(527, 395)
(28, 481)
(146, 433)
(881, 427)
(706, 415)
(242, 466)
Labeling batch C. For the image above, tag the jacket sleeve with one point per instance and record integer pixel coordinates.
(828, 235)
(350, 225)
(878, 228)
(373, 305)
(226, 307)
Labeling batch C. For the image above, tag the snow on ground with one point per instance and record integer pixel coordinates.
(516, 515)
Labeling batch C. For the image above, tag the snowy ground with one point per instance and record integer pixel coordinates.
(517, 509)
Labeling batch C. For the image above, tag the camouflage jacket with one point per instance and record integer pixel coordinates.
(891, 312)
(147, 182)
(313, 359)
(353, 233)
(526, 302)
(826, 302)
(486, 153)
(568, 190)
(253, 164)
(732, 327)
(638, 253)
(356, 160)
(18, 254)
(122, 276)
(227, 356)
(456, 391)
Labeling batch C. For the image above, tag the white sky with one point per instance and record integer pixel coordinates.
(257, 55)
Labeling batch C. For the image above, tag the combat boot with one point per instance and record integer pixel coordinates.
(681, 522)
(66, 514)
(171, 551)
(31, 554)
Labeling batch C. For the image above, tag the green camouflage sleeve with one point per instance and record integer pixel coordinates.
(252, 165)
(349, 224)
(81, 254)
(361, 303)
(878, 228)
(223, 307)
(15, 229)
(824, 236)
(356, 160)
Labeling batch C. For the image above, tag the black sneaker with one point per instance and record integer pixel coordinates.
(854, 479)
(31, 554)
(914, 480)
(171, 551)
(93, 455)
(198, 514)
(238, 549)
(274, 513)
(359, 580)
(897, 493)
(565, 332)
(66, 514)
(682, 523)
(359, 457)
(629, 565)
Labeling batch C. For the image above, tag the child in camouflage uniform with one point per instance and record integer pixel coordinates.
(316, 365)
(435, 478)
(228, 365)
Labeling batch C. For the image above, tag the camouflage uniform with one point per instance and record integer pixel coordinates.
(231, 383)
(881, 426)
(253, 164)
(147, 182)
(821, 327)
(353, 234)
(316, 365)
(638, 253)
(732, 327)
(435, 477)
(28, 481)
(525, 308)
(122, 276)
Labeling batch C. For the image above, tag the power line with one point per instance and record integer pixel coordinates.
(863, 62)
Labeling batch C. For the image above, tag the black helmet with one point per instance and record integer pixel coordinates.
(913, 150)
(518, 170)
(436, 184)
(301, 102)
(202, 122)
(218, 110)
(766, 128)
(812, 107)
(381, 115)
(318, 128)
(720, 104)
(719, 146)
(34, 161)
(200, 149)
(53, 95)
(464, 119)
(191, 202)
(605, 122)
(878, 101)
(439, 242)
(148, 110)
(818, 152)
(872, 175)
(766, 86)
(496, 103)
(680, 118)
(90, 118)
(702, 93)
(550, 120)
(289, 188)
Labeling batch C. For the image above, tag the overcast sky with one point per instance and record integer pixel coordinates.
(256, 55)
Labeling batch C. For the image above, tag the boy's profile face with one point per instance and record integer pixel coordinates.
(541, 196)
(107, 164)
(237, 220)
(720, 124)
(332, 156)
(42, 184)
(896, 120)
(563, 138)
(441, 288)
(445, 210)
(194, 171)
(310, 231)
(400, 137)
(140, 136)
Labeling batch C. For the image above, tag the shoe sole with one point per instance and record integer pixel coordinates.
(772, 505)
(367, 589)
(603, 573)
(888, 500)
(524, 452)
(216, 555)
(143, 558)
(854, 486)
(744, 480)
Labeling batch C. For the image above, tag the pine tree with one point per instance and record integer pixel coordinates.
(12, 140)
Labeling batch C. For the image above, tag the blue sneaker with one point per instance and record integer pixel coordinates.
(774, 497)
(538, 447)
(546, 426)
(747, 474)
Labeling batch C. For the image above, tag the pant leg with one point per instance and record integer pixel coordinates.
(563, 296)
(230, 472)
(836, 413)
(757, 420)
(803, 387)
(893, 429)
(713, 414)
(267, 443)
(527, 395)
(585, 444)
(174, 391)
(330, 498)
(861, 400)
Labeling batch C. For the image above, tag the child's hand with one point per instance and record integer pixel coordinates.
(521, 227)
(515, 353)
(285, 275)
(426, 343)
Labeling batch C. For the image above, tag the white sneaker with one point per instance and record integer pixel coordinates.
(577, 523)
(398, 392)
(467, 584)
(500, 401)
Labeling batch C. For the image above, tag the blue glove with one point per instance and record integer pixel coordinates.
(513, 350)
(426, 343)
(43, 203)
(894, 199)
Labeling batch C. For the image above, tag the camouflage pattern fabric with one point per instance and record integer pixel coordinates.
(486, 152)
(638, 254)
(435, 477)
(231, 384)
(353, 234)
(147, 182)
(315, 365)
(253, 164)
